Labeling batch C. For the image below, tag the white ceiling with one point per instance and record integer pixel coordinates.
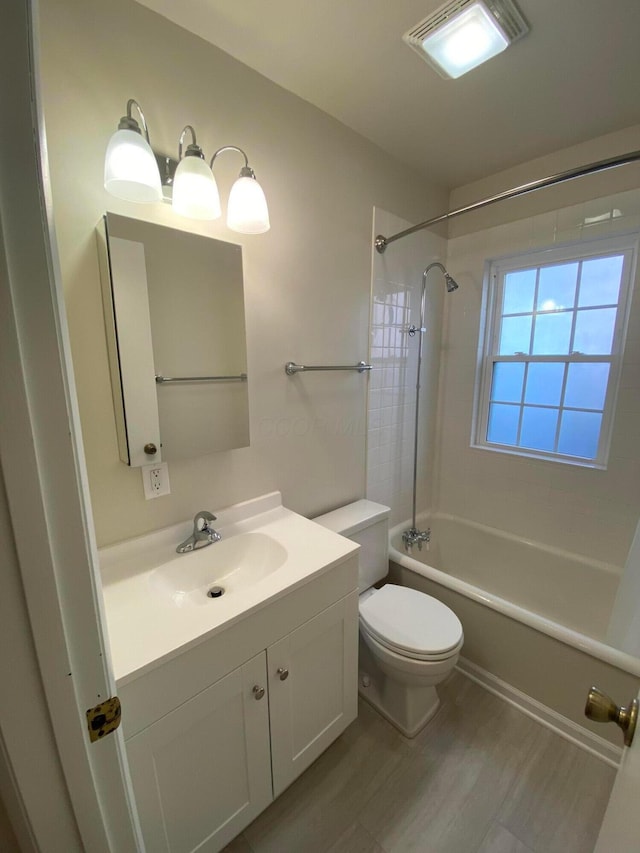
(575, 76)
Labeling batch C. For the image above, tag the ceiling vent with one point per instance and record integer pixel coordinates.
(464, 33)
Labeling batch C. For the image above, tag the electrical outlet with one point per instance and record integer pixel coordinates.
(155, 479)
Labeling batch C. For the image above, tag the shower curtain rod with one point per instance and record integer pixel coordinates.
(381, 242)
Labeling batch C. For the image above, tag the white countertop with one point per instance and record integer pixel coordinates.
(148, 625)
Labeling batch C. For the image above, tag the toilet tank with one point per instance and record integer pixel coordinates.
(366, 523)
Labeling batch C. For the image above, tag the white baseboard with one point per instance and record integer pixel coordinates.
(562, 726)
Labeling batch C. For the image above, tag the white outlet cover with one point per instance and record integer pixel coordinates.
(155, 480)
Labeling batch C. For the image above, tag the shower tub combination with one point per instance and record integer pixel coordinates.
(535, 620)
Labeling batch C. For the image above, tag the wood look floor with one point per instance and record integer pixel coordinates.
(480, 778)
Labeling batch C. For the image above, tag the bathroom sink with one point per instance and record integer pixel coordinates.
(223, 568)
(157, 602)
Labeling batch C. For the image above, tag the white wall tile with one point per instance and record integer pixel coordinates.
(396, 296)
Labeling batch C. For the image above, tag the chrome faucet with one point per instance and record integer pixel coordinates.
(413, 536)
(203, 534)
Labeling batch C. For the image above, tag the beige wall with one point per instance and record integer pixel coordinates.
(552, 198)
(587, 511)
(307, 281)
(8, 842)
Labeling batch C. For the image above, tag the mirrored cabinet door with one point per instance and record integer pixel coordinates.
(175, 326)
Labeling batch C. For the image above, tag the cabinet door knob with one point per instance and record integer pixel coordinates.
(283, 672)
(258, 691)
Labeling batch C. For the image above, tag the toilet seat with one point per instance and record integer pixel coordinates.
(410, 623)
(402, 653)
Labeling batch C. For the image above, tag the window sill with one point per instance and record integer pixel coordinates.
(524, 453)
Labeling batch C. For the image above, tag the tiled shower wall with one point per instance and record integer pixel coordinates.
(395, 305)
(582, 510)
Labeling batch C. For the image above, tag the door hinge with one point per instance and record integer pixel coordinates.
(104, 718)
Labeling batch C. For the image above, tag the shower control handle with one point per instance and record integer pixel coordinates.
(413, 329)
(602, 709)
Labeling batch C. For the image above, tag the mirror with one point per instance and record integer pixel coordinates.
(174, 318)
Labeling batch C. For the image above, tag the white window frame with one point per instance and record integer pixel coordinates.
(495, 272)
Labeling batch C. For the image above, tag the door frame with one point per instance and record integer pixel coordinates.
(49, 540)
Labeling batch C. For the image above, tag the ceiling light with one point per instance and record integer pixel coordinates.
(465, 33)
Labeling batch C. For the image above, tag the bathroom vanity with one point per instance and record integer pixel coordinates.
(226, 700)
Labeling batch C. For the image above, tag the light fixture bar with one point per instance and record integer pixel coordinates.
(134, 172)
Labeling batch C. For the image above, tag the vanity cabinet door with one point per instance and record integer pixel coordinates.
(203, 772)
(313, 688)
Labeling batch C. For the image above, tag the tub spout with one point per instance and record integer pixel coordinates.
(413, 536)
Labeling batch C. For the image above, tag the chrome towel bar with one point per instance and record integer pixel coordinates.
(163, 380)
(291, 368)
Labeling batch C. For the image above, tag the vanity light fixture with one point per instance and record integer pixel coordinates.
(134, 172)
(195, 192)
(463, 34)
(247, 211)
(130, 168)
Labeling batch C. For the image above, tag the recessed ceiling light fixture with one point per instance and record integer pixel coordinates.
(463, 34)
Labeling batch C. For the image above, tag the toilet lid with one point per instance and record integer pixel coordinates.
(410, 620)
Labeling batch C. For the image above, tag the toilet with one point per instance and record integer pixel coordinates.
(409, 641)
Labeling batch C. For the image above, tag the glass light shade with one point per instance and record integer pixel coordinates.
(247, 211)
(130, 168)
(465, 41)
(195, 192)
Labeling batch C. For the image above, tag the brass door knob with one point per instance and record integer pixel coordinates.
(602, 709)
(150, 449)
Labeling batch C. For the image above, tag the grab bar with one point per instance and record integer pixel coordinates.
(163, 380)
(291, 368)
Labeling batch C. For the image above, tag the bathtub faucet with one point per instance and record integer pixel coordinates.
(413, 536)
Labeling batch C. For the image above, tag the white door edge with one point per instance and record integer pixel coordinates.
(44, 471)
(620, 828)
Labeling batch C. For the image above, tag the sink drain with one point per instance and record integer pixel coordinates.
(216, 592)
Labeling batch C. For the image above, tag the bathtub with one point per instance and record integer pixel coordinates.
(534, 619)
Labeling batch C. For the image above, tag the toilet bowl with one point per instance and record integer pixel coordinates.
(409, 641)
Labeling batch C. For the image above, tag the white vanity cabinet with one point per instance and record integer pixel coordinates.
(218, 731)
(203, 772)
(313, 689)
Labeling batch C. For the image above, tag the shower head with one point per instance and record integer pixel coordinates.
(451, 284)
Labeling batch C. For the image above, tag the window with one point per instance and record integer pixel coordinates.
(553, 343)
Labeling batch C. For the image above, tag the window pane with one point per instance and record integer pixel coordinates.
(519, 288)
(544, 383)
(539, 428)
(594, 331)
(503, 424)
(552, 334)
(557, 287)
(600, 281)
(507, 382)
(579, 434)
(515, 335)
(587, 386)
